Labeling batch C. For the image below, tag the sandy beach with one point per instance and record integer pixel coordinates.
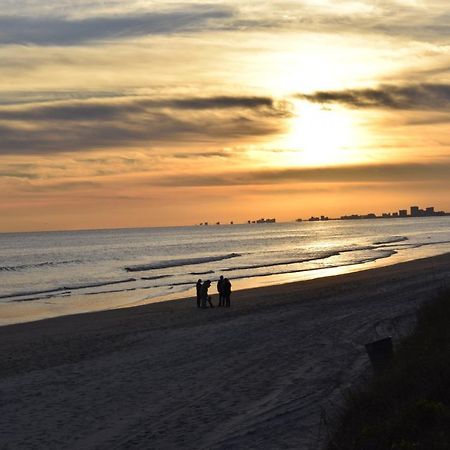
(268, 373)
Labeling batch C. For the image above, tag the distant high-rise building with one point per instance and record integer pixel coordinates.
(414, 211)
(403, 213)
(430, 211)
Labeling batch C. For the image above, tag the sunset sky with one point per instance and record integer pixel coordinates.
(150, 113)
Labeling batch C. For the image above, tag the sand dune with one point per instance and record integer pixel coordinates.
(269, 373)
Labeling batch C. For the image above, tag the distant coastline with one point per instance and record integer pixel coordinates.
(414, 211)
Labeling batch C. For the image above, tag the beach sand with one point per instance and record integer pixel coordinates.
(268, 373)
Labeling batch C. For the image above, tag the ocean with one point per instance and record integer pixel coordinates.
(46, 274)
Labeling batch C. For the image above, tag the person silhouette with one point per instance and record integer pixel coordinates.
(226, 289)
(198, 287)
(220, 291)
(204, 294)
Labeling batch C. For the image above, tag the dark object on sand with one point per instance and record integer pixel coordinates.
(226, 292)
(220, 291)
(198, 287)
(204, 294)
(380, 353)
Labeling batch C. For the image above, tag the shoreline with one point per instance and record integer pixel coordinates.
(19, 311)
(167, 375)
(248, 292)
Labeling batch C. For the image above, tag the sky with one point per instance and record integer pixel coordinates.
(154, 113)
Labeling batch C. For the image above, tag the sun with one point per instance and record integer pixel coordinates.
(321, 136)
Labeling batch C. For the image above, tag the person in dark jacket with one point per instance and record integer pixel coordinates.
(220, 291)
(204, 294)
(226, 289)
(198, 287)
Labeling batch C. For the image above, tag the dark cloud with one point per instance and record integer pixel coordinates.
(223, 102)
(384, 18)
(107, 110)
(23, 175)
(424, 96)
(155, 129)
(60, 186)
(395, 173)
(78, 125)
(23, 97)
(64, 31)
(191, 155)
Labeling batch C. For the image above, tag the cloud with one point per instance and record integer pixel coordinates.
(106, 110)
(407, 20)
(203, 155)
(224, 102)
(424, 96)
(96, 124)
(421, 27)
(21, 175)
(42, 24)
(430, 119)
(60, 186)
(397, 173)
(23, 97)
(64, 31)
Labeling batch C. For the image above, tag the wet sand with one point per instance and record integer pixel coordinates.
(268, 373)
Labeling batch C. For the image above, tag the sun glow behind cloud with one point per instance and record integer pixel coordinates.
(321, 136)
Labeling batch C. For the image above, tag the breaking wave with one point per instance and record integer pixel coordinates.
(66, 289)
(380, 255)
(20, 267)
(391, 240)
(179, 262)
(283, 263)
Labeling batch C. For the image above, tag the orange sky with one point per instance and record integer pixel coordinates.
(153, 113)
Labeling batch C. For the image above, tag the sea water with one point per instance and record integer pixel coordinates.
(47, 274)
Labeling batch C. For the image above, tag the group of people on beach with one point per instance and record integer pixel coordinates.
(223, 288)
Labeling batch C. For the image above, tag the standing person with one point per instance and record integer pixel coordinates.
(220, 291)
(198, 287)
(204, 294)
(226, 288)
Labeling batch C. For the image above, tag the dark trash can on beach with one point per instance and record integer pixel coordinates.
(380, 353)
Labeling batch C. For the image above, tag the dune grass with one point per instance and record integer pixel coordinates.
(407, 406)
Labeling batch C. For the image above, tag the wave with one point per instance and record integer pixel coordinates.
(156, 277)
(66, 294)
(65, 289)
(324, 255)
(179, 262)
(28, 293)
(283, 263)
(41, 297)
(385, 254)
(423, 244)
(170, 285)
(98, 284)
(20, 267)
(356, 248)
(201, 273)
(391, 240)
(380, 255)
